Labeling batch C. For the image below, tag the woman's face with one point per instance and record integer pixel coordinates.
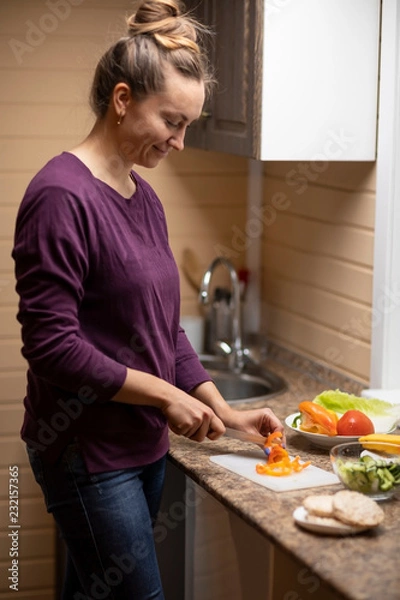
(152, 127)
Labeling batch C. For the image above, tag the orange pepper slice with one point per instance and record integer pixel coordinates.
(317, 419)
(298, 466)
(278, 468)
(274, 438)
(277, 454)
(279, 463)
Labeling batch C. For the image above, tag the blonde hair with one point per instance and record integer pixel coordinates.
(159, 32)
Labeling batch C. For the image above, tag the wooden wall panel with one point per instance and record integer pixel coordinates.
(33, 84)
(340, 242)
(27, 484)
(72, 54)
(42, 594)
(58, 121)
(318, 261)
(34, 544)
(10, 354)
(11, 416)
(330, 274)
(12, 451)
(12, 385)
(321, 343)
(338, 206)
(327, 309)
(7, 316)
(37, 574)
(8, 297)
(64, 20)
(33, 514)
(304, 176)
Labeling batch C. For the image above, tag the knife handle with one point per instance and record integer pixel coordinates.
(245, 437)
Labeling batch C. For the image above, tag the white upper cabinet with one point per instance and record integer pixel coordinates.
(297, 79)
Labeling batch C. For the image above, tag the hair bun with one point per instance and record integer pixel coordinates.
(151, 13)
(165, 21)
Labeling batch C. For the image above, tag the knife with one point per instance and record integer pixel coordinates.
(245, 437)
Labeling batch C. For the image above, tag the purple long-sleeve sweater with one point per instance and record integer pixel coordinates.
(99, 292)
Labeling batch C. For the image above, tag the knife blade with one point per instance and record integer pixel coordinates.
(245, 437)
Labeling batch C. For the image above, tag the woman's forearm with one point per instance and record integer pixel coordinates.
(259, 420)
(209, 394)
(186, 415)
(146, 389)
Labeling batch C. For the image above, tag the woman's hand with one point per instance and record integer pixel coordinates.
(191, 418)
(259, 420)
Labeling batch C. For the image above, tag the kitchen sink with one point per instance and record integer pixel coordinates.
(254, 383)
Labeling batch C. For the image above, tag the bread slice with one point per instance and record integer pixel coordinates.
(356, 509)
(328, 522)
(319, 505)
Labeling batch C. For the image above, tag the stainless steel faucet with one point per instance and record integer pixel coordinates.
(236, 354)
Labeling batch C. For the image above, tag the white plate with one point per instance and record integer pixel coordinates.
(392, 396)
(321, 440)
(300, 516)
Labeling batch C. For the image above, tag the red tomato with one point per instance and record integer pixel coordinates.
(354, 422)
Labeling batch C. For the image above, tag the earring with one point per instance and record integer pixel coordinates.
(119, 119)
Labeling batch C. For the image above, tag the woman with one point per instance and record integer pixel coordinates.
(110, 370)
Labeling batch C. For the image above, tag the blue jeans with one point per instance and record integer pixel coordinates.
(106, 521)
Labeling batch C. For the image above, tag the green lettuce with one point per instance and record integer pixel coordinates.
(383, 414)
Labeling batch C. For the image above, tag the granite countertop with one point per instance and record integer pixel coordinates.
(358, 567)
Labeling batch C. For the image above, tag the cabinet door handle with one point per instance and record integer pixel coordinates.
(205, 114)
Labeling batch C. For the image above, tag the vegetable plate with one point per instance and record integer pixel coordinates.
(335, 417)
(318, 439)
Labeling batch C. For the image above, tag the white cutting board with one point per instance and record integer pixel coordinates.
(245, 465)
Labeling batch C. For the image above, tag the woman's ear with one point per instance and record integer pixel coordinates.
(121, 99)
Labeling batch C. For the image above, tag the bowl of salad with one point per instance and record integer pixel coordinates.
(370, 467)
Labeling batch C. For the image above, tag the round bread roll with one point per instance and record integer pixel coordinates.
(319, 505)
(356, 509)
(328, 522)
